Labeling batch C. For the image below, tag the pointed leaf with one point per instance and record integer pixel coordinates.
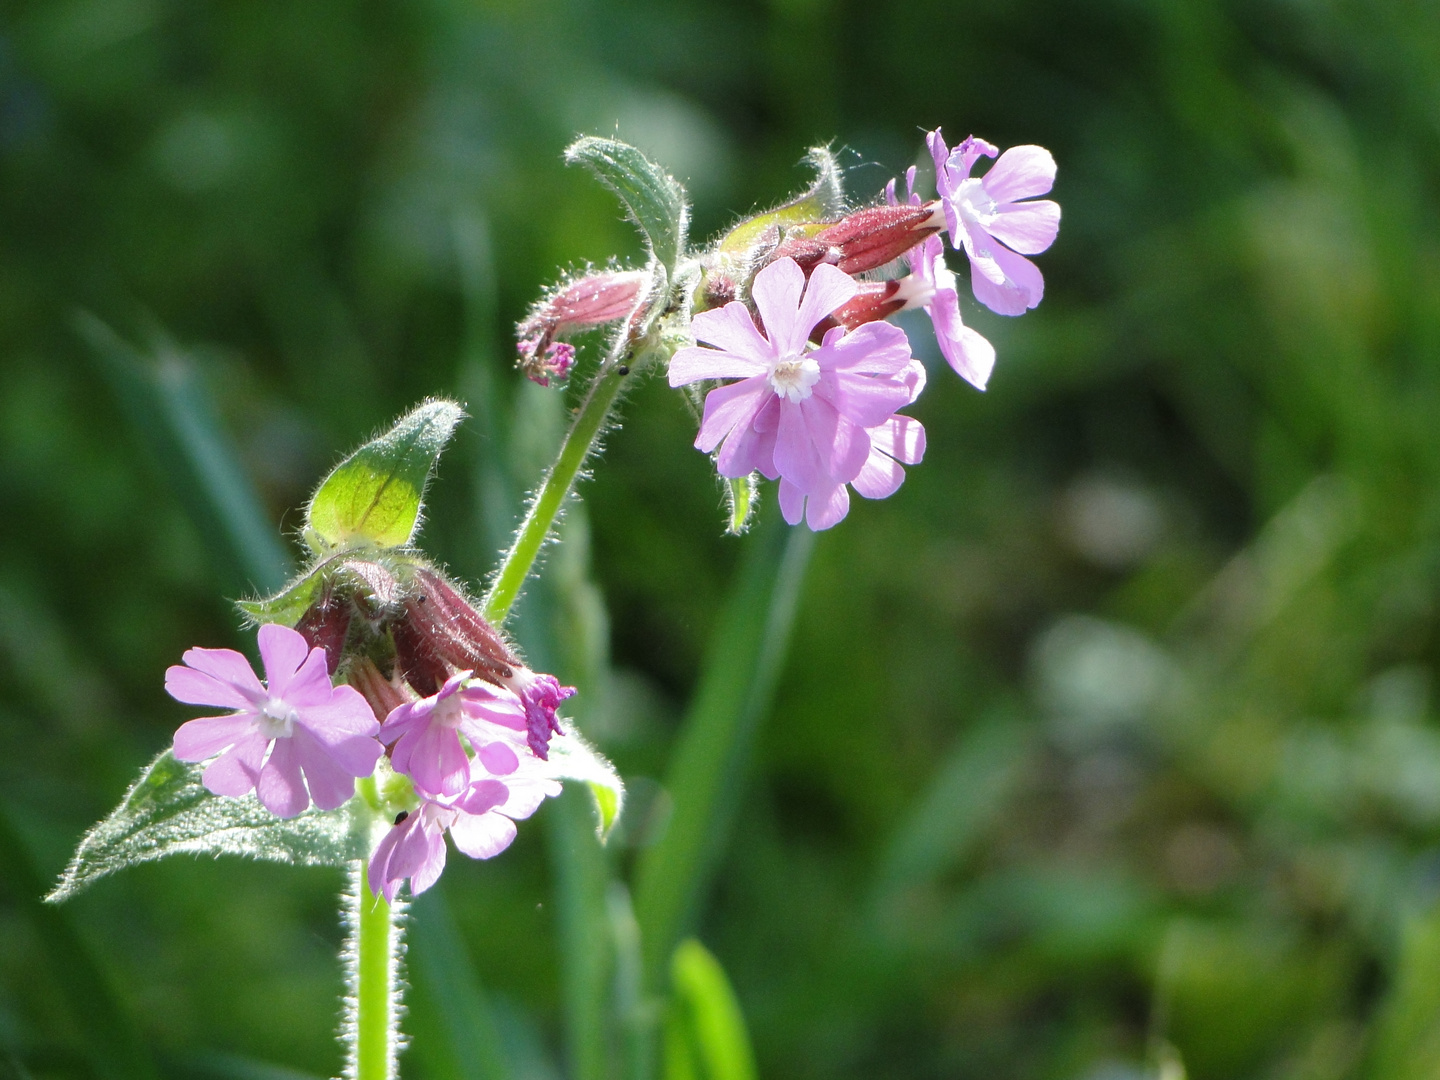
(705, 1038)
(286, 606)
(373, 497)
(741, 498)
(821, 202)
(655, 200)
(572, 758)
(168, 812)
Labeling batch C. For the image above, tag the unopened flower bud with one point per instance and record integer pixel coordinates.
(324, 626)
(875, 300)
(382, 694)
(592, 300)
(870, 238)
(416, 661)
(455, 632)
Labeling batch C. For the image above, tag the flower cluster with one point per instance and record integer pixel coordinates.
(460, 716)
(821, 376)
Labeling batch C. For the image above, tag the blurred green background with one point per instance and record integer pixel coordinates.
(1107, 744)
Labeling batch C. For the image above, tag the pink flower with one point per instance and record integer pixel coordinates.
(304, 724)
(481, 820)
(539, 695)
(931, 285)
(797, 413)
(899, 441)
(426, 735)
(592, 300)
(985, 216)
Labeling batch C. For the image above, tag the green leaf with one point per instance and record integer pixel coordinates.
(373, 498)
(168, 812)
(705, 1037)
(706, 771)
(163, 395)
(741, 498)
(822, 201)
(572, 758)
(655, 200)
(286, 606)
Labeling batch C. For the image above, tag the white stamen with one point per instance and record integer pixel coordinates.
(277, 719)
(795, 377)
(974, 202)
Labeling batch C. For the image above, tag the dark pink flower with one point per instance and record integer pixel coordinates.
(796, 413)
(426, 735)
(592, 300)
(985, 216)
(296, 717)
(481, 820)
(539, 696)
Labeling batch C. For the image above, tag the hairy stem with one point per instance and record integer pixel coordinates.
(370, 1030)
(580, 440)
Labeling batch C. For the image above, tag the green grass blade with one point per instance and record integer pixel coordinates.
(706, 770)
(447, 988)
(172, 412)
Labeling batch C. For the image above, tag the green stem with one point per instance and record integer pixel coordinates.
(580, 440)
(372, 959)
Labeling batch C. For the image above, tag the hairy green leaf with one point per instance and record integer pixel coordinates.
(821, 201)
(572, 758)
(741, 498)
(286, 606)
(655, 200)
(705, 1037)
(169, 812)
(373, 498)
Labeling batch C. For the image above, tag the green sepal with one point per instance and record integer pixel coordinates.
(654, 199)
(820, 203)
(289, 604)
(168, 812)
(705, 1035)
(742, 496)
(572, 758)
(374, 497)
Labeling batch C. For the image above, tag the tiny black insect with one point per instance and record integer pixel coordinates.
(624, 369)
(401, 816)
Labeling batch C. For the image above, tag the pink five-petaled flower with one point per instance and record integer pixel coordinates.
(984, 215)
(308, 726)
(426, 735)
(931, 285)
(481, 820)
(797, 414)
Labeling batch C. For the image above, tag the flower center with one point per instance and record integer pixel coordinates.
(277, 719)
(974, 202)
(448, 712)
(794, 378)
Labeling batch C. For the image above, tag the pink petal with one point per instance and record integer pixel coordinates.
(346, 713)
(236, 771)
(881, 477)
(483, 836)
(776, 291)
(940, 154)
(281, 789)
(498, 759)
(483, 796)
(731, 406)
(829, 287)
(1021, 172)
(526, 795)
(330, 785)
(873, 348)
(1006, 283)
(197, 740)
(430, 870)
(693, 363)
(817, 447)
(965, 350)
(903, 439)
(378, 876)
(283, 651)
(419, 850)
(792, 502)
(230, 672)
(311, 684)
(1028, 228)
(827, 509)
(863, 401)
(733, 329)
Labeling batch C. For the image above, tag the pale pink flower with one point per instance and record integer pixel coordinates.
(931, 285)
(481, 820)
(426, 734)
(985, 216)
(797, 413)
(304, 724)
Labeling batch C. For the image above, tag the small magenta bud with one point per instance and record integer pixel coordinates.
(870, 238)
(874, 301)
(324, 626)
(592, 300)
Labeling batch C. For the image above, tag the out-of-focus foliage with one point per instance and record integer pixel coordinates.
(1108, 741)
